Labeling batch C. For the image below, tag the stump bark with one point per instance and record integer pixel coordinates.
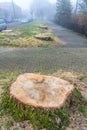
(41, 91)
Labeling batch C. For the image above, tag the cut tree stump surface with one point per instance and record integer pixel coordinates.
(44, 37)
(43, 27)
(7, 31)
(41, 91)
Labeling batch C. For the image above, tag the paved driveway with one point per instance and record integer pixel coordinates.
(70, 37)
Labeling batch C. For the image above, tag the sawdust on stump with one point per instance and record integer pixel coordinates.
(44, 37)
(41, 91)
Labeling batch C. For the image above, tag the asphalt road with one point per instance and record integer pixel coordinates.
(70, 57)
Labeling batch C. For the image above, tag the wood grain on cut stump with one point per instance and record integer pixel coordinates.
(41, 91)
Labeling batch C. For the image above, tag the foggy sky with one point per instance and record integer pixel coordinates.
(23, 3)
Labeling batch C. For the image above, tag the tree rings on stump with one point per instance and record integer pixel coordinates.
(41, 91)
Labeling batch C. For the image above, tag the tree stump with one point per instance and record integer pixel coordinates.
(44, 37)
(7, 31)
(41, 91)
(43, 27)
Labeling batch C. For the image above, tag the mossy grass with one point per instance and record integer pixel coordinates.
(77, 99)
(39, 118)
(83, 109)
(79, 102)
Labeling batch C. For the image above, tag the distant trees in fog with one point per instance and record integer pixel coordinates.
(42, 9)
(64, 10)
(77, 19)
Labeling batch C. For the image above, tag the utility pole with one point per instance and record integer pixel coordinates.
(76, 6)
(13, 9)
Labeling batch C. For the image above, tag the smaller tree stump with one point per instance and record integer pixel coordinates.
(7, 31)
(41, 91)
(44, 37)
(43, 27)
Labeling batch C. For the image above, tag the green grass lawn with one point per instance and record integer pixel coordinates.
(24, 36)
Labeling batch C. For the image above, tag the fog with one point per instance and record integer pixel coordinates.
(29, 8)
(24, 4)
(43, 9)
(36, 9)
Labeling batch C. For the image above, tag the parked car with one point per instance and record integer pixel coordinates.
(3, 25)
